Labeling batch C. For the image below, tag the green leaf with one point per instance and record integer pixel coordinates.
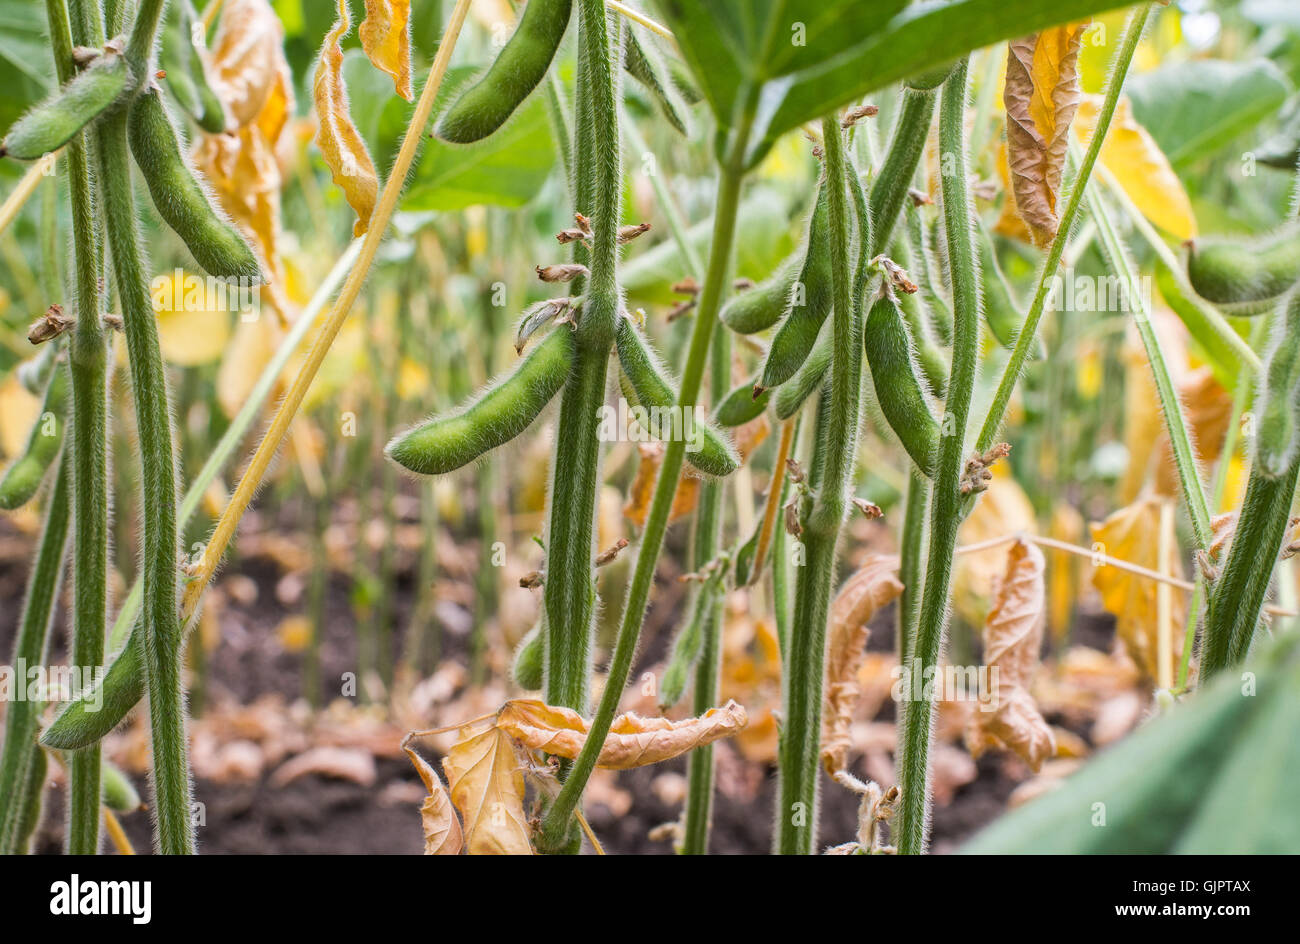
(1194, 108)
(785, 62)
(1215, 775)
(26, 69)
(505, 169)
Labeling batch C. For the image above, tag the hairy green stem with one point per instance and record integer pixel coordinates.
(946, 500)
(1027, 340)
(911, 557)
(800, 746)
(30, 648)
(162, 629)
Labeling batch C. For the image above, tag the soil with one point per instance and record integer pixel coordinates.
(318, 814)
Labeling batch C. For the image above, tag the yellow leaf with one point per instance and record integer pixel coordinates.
(192, 327)
(1041, 95)
(488, 788)
(1140, 168)
(1063, 592)
(1003, 509)
(442, 834)
(1133, 534)
(633, 741)
(340, 142)
(386, 38)
(19, 411)
(1207, 409)
(251, 349)
(873, 586)
(641, 491)
(1013, 635)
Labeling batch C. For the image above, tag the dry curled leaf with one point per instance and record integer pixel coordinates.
(633, 741)
(487, 787)
(875, 585)
(1140, 167)
(1133, 534)
(386, 38)
(1041, 95)
(342, 763)
(442, 833)
(1013, 635)
(340, 142)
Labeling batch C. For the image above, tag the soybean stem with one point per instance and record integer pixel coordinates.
(946, 499)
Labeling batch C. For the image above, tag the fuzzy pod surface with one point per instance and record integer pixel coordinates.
(742, 404)
(55, 121)
(1246, 277)
(763, 305)
(484, 107)
(792, 395)
(179, 198)
(809, 301)
(899, 392)
(24, 476)
(715, 455)
(496, 416)
(1277, 433)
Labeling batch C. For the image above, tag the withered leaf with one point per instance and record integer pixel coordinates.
(633, 741)
(442, 833)
(641, 492)
(1041, 95)
(874, 585)
(386, 38)
(1013, 635)
(487, 787)
(340, 142)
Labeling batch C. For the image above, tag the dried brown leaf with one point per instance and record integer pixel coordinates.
(442, 833)
(386, 38)
(340, 142)
(1013, 635)
(641, 491)
(487, 787)
(875, 585)
(1041, 95)
(633, 741)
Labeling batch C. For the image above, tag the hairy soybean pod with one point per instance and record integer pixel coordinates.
(714, 455)
(898, 390)
(213, 241)
(499, 414)
(184, 67)
(928, 355)
(809, 302)
(687, 646)
(55, 121)
(790, 397)
(527, 667)
(484, 107)
(936, 304)
(23, 478)
(1246, 277)
(643, 63)
(740, 405)
(1277, 433)
(763, 305)
(118, 793)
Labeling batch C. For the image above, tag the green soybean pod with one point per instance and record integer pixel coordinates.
(713, 453)
(1246, 277)
(1277, 431)
(809, 302)
(1003, 316)
(746, 565)
(936, 305)
(484, 107)
(24, 476)
(687, 646)
(763, 305)
(175, 52)
(54, 122)
(179, 198)
(499, 414)
(740, 405)
(529, 655)
(898, 391)
(791, 395)
(116, 789)
(928, 355)
(98, 711)
(644, 63)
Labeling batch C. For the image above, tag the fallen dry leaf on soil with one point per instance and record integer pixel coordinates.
(1013, 635)
(340, 143)
(342, 763)
(1041, 96)
(487, 787)
(633, 741)
(872, 587)
(442, 833)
